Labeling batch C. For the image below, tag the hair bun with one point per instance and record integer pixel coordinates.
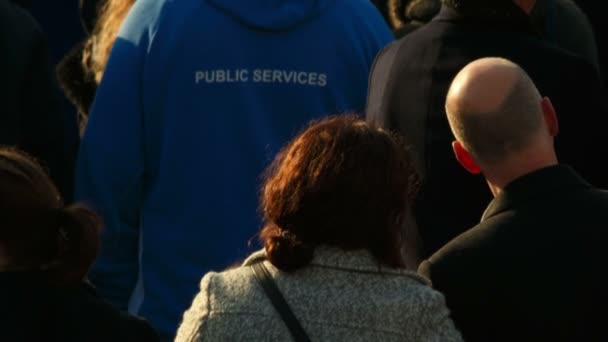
(285, 251)
(78, 238)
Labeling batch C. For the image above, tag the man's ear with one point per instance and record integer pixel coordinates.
(550, 116)
(464, 158)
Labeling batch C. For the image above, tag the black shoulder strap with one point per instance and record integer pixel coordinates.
(276, 298)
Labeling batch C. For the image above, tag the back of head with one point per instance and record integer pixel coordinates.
(494, 110)
(422, 10)
(37, 232)
(341, 183)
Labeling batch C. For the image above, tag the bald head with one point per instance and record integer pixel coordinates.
(494, 109)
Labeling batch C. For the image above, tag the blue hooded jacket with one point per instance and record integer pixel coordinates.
(197, 98)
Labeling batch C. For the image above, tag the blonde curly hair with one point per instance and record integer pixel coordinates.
(98, 46)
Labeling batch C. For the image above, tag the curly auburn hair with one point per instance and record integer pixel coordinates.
(340, 183)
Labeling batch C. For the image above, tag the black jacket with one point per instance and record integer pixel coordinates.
(32, 311)
(564, 24)
(408, 86)
(597, 16)
(31, 116)
(534, 268)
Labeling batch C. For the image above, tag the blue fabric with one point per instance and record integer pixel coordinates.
(197, 98)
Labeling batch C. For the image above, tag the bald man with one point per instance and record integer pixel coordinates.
(408, 87)
(533, 269)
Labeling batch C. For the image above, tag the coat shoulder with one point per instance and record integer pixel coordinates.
(235, 290)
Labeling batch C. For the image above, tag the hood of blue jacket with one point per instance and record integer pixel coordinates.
(272, 15)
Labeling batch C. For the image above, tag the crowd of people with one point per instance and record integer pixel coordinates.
(305, 169)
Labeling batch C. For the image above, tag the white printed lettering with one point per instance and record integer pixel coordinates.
(312, 78)
(289, 76)
(209, 77)
(322, 80)
(231, 76)
(267, 76)
(275, 76)
(244, 75)
(220, 76)
(199, 76)
(257, 75)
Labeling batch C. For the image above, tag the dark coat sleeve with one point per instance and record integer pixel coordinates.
(466, 297)
(376, 110)
(564, 24)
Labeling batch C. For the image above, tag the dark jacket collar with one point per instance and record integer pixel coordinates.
(515, 21)
(537, 184)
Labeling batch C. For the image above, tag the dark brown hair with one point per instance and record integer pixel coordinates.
(340, 183)
(37, 232)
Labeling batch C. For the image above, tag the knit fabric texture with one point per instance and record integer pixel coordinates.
(340, 296)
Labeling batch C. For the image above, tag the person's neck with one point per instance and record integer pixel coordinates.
(500, 175)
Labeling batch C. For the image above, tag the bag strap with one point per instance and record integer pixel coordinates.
(278, 301)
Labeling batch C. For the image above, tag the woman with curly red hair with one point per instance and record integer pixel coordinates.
(334, 202)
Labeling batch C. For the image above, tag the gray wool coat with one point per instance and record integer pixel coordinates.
(341, 296)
